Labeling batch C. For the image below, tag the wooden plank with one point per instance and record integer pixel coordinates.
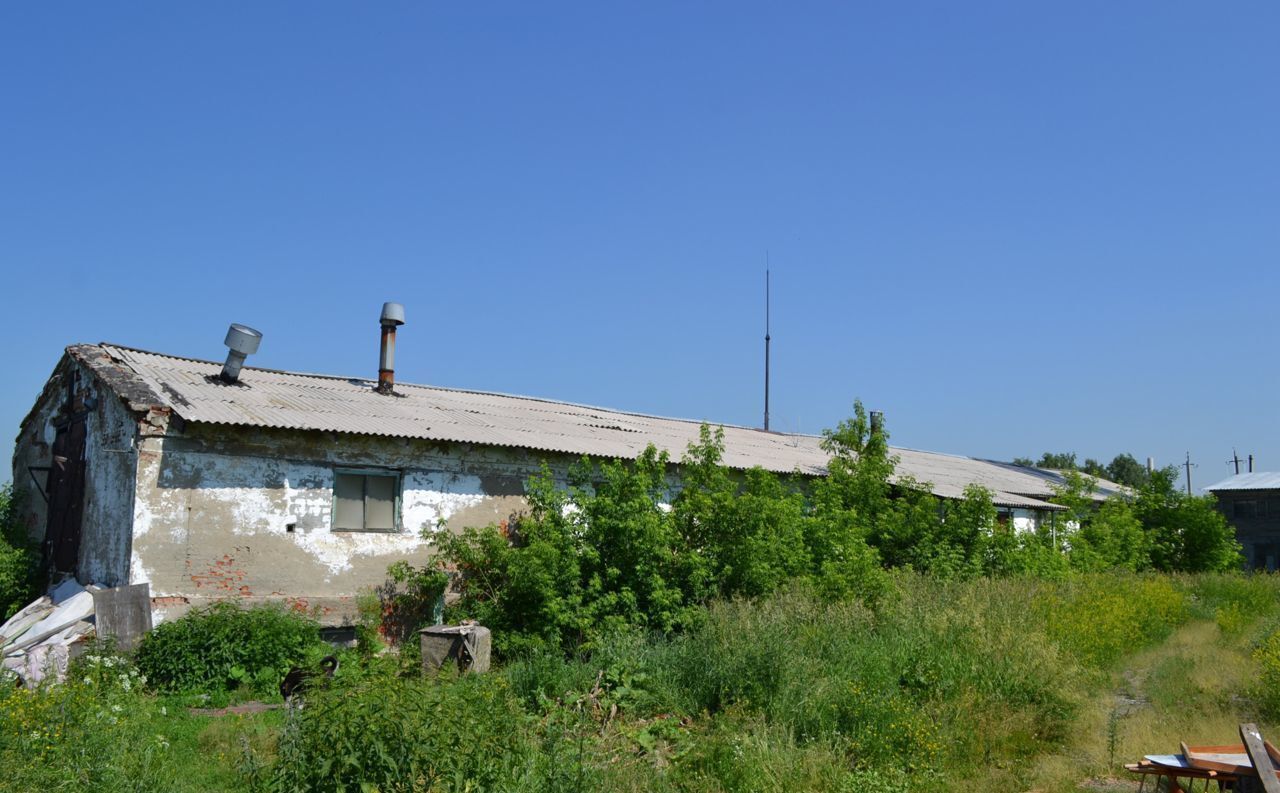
(1227, 759)
(1257, 751)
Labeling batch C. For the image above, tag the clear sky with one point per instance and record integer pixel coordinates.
(1013, 227)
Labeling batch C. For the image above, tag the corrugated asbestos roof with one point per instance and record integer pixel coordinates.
(1258, 480)
(289, 400)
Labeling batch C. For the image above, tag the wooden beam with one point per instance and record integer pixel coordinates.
(1257, 751)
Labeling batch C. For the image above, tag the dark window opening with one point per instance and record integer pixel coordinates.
(1245, 509)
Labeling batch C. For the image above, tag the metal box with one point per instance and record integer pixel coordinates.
(464, 645)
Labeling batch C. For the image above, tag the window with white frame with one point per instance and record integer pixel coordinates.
(366, 500)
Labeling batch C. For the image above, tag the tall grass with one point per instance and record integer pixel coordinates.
(793, 692)
(944, 677)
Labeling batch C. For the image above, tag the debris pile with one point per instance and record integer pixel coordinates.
(41, 639)
(1245, 767)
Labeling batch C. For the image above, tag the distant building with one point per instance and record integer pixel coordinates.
(137, 467)
(1251, 503)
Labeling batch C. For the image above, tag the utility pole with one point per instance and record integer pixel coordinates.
(1235, 458)
(766, 341)
(1188, 465)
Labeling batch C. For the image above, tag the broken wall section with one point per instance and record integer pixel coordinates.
(110, 459)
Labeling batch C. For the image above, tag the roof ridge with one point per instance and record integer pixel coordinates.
(478, 392)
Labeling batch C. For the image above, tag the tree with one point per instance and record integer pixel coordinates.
(1112, 538)
(744, 536)
(847, 505)
(1062, 461)
(968, 530)
(525, 580)
(1094, 468)
(1187, 533)
(629, 556)
(1124, 469)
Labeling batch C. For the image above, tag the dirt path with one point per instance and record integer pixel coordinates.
(1187, 688)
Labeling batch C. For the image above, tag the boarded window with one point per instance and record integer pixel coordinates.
(365, 501)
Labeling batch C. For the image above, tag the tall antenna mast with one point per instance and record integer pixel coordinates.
(766, 341)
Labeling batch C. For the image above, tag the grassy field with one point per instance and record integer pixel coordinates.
(985, 685)
(1197, 686)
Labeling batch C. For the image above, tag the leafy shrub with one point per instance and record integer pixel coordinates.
(617, 550)
(381, 732)
(1187, 533)
(19, 558)
(742, 535)
(223, 646)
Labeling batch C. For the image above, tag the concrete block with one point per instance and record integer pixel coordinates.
(123, 613)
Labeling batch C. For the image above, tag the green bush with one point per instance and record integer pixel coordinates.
(620, 550)
(224, 647)
(381, 732)
(1186, 533)
(19, 558)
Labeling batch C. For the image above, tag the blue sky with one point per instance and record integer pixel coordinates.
(1013, 227)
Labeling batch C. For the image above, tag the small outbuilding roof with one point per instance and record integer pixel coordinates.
(1258, 480)
(290, 400)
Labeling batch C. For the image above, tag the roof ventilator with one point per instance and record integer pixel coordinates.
(243, 341)
(392, 317)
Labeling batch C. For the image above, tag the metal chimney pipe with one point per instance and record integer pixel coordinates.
(243, 341)
(392, 317)
(877, 422)
(1251, 463)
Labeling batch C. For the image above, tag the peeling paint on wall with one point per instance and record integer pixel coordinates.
(110, 474)
(248, 514)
